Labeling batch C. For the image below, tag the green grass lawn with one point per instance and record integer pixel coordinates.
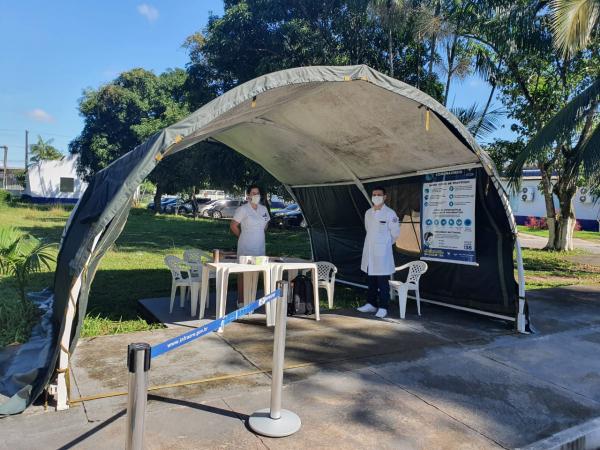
(586, 235)
(134, 267)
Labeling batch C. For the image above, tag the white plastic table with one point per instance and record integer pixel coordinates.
(223, 269)
(293, 265)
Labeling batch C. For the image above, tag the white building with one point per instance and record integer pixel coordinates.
(529, 202)
(54, 181)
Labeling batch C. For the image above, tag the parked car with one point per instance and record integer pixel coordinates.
(276, 206)
(293, 218)
(203, 209)
(287, 209)
(164, 202)
(185, 207)
(223, 209)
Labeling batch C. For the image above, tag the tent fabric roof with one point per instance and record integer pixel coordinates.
(317, 125)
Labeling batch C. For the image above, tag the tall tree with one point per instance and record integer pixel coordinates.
(255, 37)
(573, 23)
(535, 83)
(390, 14)
(43, 150)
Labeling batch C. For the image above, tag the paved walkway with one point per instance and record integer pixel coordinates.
(538, 242)
(446, 380)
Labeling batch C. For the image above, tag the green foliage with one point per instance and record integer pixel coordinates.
(5, 197)
(504, 152)
(478, 121)
(16, 317)
(573, 22)
(44, 151)
(21, 255)
(255, 37)
(122, 114)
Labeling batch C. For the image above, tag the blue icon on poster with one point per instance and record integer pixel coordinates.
(443, 222)
(451, 203)
(428, 221)
(425, 203)
(451, 188)
(459, 222)
(436, 222)
(426, 197)
(451, 222)
(468, 222)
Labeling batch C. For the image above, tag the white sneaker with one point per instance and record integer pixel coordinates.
(366, 308)
(381, 313)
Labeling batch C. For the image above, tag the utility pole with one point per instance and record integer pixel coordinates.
(5, 166)
(26, 149)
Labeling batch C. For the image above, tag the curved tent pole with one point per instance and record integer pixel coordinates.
(63, 377)
(312, 249)
(521, 319)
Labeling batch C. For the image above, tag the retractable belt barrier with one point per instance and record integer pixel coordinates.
(271, 422)
(196, 333)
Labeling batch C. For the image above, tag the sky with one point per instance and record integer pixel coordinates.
(52, 50)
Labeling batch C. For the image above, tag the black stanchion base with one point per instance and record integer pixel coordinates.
(262, 423)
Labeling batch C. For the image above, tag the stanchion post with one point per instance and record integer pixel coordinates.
(275, 421)
(138, 364)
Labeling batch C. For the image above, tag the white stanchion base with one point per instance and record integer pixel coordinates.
(287, 424)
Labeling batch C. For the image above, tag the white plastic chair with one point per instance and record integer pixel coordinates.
(415, 270)
(326, 273)
(196, 260)
(182, 279)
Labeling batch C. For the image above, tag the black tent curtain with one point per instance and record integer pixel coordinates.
(335, 215)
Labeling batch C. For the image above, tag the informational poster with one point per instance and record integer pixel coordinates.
(448, 217)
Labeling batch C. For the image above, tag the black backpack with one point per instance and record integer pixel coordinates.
(302, 301)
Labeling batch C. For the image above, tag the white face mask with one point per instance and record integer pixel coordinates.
(377, 200)
(255, 199)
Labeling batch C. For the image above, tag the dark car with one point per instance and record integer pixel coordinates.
(164, 202)
(185, 207)
(223, 209)
(293, 218)
(287, 209)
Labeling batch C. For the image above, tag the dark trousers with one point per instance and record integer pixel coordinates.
(379, 288)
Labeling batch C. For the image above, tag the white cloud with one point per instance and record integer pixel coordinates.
(40, 115)
(148, 11)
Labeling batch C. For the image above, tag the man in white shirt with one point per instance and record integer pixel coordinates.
(383, 228)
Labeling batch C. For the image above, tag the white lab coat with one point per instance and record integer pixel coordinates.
(383, 228)
(253, 222)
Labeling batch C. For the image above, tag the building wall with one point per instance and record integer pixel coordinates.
(587, 212)
(44, 181)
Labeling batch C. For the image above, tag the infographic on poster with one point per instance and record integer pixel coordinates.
(448, 217)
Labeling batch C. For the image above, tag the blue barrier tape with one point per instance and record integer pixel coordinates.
(196, 333)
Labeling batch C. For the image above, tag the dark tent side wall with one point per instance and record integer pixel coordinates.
(335, 216)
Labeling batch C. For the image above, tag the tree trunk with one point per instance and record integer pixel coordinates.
(451, 56)
(564, 236)
(391, 52)
(547, 191)
(431, 56)
(436, 13)
(565, 191)
(157, 197)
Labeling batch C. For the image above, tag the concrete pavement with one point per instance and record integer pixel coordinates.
(446, 380)
(538, 242)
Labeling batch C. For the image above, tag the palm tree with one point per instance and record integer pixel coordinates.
(44, 150)
(479, 122)
(573, 22)
(389, 12)
(21, 255)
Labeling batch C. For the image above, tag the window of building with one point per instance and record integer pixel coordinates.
(67, 184)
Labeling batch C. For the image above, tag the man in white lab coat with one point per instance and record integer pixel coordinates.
(383, 228)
